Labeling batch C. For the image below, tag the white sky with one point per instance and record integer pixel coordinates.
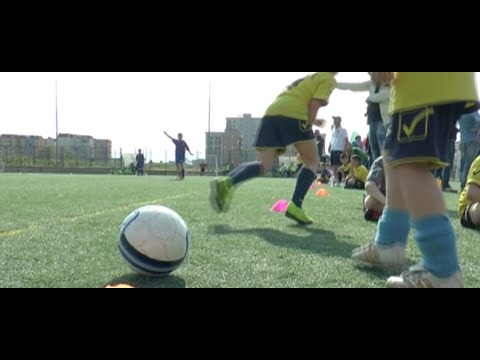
(133, 109)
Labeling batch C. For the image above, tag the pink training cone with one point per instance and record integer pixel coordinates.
(312, 187)
(280, 207)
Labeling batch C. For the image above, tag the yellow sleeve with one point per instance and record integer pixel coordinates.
(474, 174)
(362, 174)
(325, 87)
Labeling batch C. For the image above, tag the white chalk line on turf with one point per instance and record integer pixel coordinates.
(72, 219)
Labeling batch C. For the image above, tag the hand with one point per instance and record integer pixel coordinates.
(320, 123)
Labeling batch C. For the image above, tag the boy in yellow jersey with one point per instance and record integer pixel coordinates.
(287, 121)
(358, 174)
(344, 170)
(469, 204)
(425, 107)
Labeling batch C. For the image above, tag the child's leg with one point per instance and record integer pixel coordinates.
(254, 169)
(182, 172)
(221, 189)
(475, 214)
(373, 204)
(308, 152)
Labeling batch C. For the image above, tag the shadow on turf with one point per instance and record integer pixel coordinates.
(138, 281)
(317, 241)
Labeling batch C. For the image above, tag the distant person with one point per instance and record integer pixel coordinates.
(203, 168)
(358, 174)
(344, 170)
(374, 202)
(363, 156)
(339, 145)
(320, 140)
(324, 175)
(288, 120)
(140, 167)
(378, 118)
(180, 148)
(358, 142)
(469, 204)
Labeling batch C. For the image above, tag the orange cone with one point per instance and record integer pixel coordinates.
(322, 193)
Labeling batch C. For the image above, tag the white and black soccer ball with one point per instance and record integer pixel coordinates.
(154, 240)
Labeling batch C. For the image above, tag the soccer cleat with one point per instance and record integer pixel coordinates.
(370, 256)
(419, 278)
(221, 194)
(298, 214)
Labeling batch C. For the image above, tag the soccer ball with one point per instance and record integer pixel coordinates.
(154, 240)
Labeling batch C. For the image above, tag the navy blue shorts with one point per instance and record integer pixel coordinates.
(278, 132)
(335, 158)
(179, 160)
(422, 136)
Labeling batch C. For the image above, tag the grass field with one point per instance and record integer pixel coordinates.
(61, 231)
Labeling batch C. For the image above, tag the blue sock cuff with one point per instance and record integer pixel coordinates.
(393, 228)
(393, 214)
(437, 241)
(431, 222)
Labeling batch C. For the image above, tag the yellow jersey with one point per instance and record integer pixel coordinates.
(361, 173)
(413, 90)
(296, 98)
(473, 179)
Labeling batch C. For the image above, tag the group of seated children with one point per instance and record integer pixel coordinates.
(352, 173)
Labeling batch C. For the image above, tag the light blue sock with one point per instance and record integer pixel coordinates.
(437, 241)
(393, 228)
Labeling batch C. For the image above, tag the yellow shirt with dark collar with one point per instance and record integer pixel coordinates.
(473, 179)
(414, 90)
(361, 173)
(295, 100)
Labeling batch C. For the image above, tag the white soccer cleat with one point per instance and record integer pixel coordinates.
(373, 257)
(419, 278)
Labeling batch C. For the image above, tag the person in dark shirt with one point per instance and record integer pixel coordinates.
(320, 141)
(180, 148)
(203, 167)
(140, 167)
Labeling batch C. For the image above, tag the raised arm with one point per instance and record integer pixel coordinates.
(168, 135)
(188, 149)
(382, 96)
(356, 87)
